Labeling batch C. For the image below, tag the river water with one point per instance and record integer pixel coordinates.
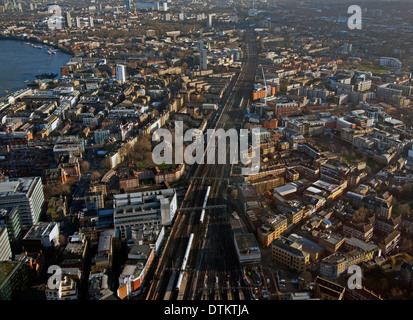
(20, 62)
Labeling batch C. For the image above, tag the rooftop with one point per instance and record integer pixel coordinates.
(307, 244)
(289, 245)
(329, 287)
(16, 187)
(39, 230)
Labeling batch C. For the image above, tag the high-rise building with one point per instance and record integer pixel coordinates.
(165, 6)
(68, 19)
(209, 21)
(13, 277)
(91, 23)
(10, 219)
(120, 74)
(27, 194)
(181, 16)
(203, 60)
(5, 249)
(78, 22)
(129, 4)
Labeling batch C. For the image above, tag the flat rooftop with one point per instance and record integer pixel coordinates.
(39, 229)
(358, 243)
(307, 244)
(16, 187)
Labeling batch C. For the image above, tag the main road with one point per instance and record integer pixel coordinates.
(212, 270)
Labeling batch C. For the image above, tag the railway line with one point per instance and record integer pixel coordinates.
(199, 259)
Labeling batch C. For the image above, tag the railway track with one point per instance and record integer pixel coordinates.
(212, 270)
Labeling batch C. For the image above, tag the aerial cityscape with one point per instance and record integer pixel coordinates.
(206, 150)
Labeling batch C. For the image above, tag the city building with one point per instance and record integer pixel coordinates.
(331, 241)
(10, 220)
(333, 266)
(390, 62)
(67, 290)
(209, 20)
(41, 236)
(361, 231)
(290, 254)
(271, 230)
(120, 73)
(68, 19)
(13, 278)
(5, 249)
(390, 242)
(406, 274)
(27, 194)
(329, 290)
(246, 245)
(99, 287)
(313, 249)
(156, 207)
(203, 59)
(361, 294)
(140, 259)
(103, 259)
(75, 252)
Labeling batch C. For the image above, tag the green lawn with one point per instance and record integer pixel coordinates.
(349, 158)
(369, 68)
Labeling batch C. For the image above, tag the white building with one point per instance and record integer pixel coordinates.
(68, 19)
(5, 249)
(101, 136)
(138, 209)
(390, 62)
(27, 194)
(45, 234)
(209, 21)
(120, 73)
(78, 22)
(203, 60)
(66, 290)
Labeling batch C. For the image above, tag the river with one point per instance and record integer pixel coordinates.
(20, 62)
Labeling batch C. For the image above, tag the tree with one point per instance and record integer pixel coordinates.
(360, 215)
(404, 210)
(85, 166)
(95, 175)
(406, 192)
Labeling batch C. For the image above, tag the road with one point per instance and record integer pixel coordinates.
(213, 271)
